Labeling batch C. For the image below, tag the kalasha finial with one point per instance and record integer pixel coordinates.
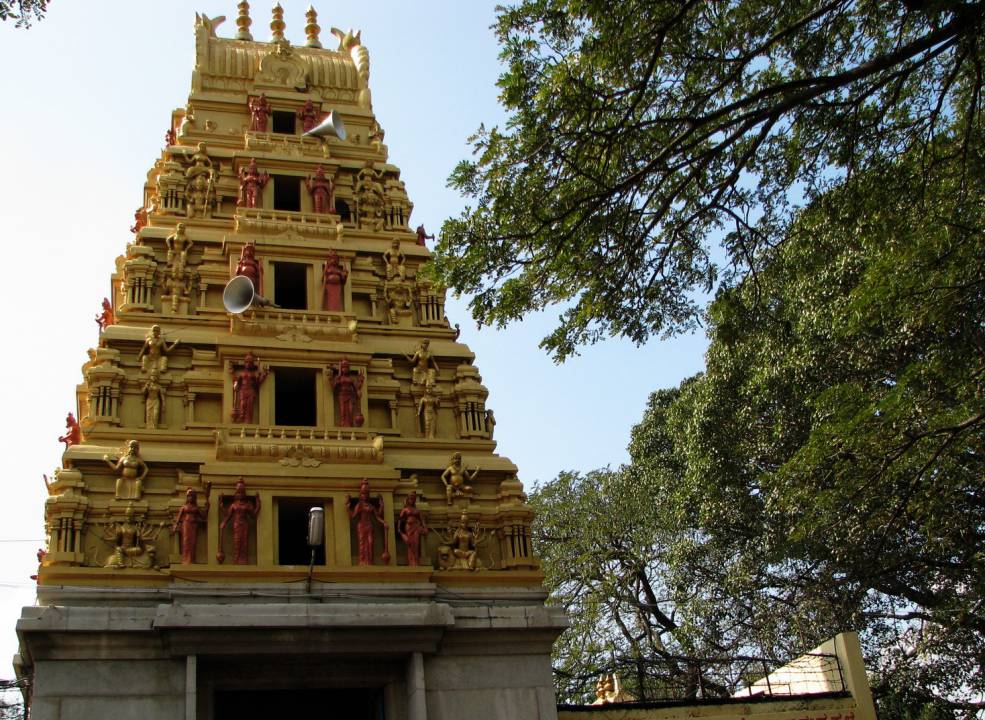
(243, 22)
(277, 24)
(312, 29)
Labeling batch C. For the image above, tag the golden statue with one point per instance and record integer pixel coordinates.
(154, 353)
(131, 471)
(455, 476)
(153, 400)
(427, 409)
(131, 549)
(423, 361)
(460, 547)
(609, 690)
(394, 259)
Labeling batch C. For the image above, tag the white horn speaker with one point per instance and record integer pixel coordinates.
(239, 294)
(331, 126)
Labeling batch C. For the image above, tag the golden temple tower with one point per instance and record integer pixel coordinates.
(272, 358)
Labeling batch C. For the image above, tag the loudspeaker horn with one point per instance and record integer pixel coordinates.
(239, 294)
(331, 126)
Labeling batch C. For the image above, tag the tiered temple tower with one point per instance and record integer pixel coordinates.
(176, 581)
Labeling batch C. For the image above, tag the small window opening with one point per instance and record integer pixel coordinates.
(342, 210)
(292, 532)
(287, 192)
(295, 398)
(283, 122)
(291, 285)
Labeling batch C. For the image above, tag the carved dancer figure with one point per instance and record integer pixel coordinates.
(251, 185)
(131, 471)
(130, 539)
(427, 409)
(460, 549)
(394, 259)
(190, 515)
(422, 361)
(139, 220)
(240, 510)
(259, 110)
(154, 353)
(348, 391)
(367, 509)
(246, 387)
(320, 188)
(153, 400)
(455, 477)
(308, 116)
(422, 235)
(74, 434)
(333, 277)
(106, 317)
(249, 266)
(410, 527)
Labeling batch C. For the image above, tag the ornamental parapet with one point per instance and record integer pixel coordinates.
(262, 221)
(297, 325)
(298, 447)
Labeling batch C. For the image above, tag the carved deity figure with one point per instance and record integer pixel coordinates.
(411, 527)
(246, 387)
(189, 517)
(131, 548)
(170, 137)
(365, 510)
(178, 244)
(422, 235)
(73, 435)
(371, 198)
(460, 547)
(130, 470)
(608, 689)
(455, 478)
(259, 111)
(106, 317)
(308, 116)
(154, 353)
(153, 400)
(251, 185)
(394, 259)
(320, 189)
(422, 361)
(199, 183)
(348, 391)
(333, 278)
(139, 220)
(427, 409)
(490, 423)
(240, 509)
(376, 133)
(249, 266)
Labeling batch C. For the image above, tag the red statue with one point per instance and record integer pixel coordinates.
(320, 189)
(259, 110)
(139, 220)
(189, 517)
(251, 184)
(74, 434)
(249, 266)
(246, 386)
(240, 509)
(367, 509)
(170, 137)
(422, 235)
(410, 527)
(106, 317)
(334, 278)
(308, 116)
(348, 391)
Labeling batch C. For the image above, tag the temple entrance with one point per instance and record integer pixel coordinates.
(326, 703)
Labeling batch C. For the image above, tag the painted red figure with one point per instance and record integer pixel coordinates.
(251, 184)
(320, 189)
(259, 110)
(139, 220)
(334, 278)
(189, 517)
(246, 386)
(410, 527)
(308, 116)
(422, 235)
(106, 317)
(348, 391)
(249, 266)
(365, 510)
(240, 510)
(74, 434)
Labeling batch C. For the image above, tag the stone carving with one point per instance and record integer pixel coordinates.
(251, 185)
(154, 353)
(153, 400)
(106, 317)
(376, 133)
(422, 235)
(455, 477)
(139, 220)
(394, 259)
(490, 423)
(131, 470)
(259, 111)
(427, 410)
(240, 509)
(423, 362)
(398, 301)
(411, 527)
(334, 277)
(73, 436)
(178, 277)
(365, 510)
(249, 266)
(308, 116)
(348, 391)
(199, 184)
(170, 137)
(281, 67)
(459, 549)
(189, 517)
(320, 189)
(130, 541)
(370, 198)
(608, 689)
(246, 387)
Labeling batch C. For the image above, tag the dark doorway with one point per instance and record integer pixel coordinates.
(291, 285)
(295, 399)
(283, 122)
(342, 210)
(326, 703)
(287, 192)
(292, 531)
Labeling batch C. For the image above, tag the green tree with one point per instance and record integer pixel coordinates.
(643, 134)
(22, 12)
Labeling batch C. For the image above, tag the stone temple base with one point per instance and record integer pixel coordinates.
(207, 652)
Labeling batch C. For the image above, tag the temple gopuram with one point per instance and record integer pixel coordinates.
(279, 491)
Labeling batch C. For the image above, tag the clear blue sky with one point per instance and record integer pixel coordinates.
(87, 95)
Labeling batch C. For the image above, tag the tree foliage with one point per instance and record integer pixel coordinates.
(22, 12)
(644, 134)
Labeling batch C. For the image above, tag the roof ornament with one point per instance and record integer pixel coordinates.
(312, 29)
(277, 24)
(243, 21)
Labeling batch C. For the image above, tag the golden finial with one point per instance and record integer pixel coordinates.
(312, 29)
(277, 24)
(243, 22)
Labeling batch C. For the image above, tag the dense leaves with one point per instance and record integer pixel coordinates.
(22, 12)
(649, 138)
